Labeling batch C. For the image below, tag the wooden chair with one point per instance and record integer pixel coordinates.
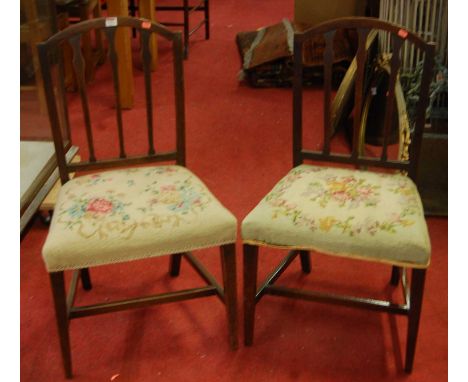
(187, 9)
(341, 211)
(128, 214)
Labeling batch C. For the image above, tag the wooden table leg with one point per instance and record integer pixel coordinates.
(124, 52)
(148, 11)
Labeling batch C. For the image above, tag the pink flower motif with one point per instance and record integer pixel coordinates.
(169, 187)
(348, 179)
(340, 195)
(102, 206)
(365, 191)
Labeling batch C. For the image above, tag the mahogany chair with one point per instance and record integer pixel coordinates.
(187, 10)
(338, 210)
(144, 210)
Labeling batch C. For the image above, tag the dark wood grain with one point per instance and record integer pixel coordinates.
(57, 280)
(275, 274)
(174, 264)
(416, 298)
(141, 302)
(305, 261)
(228, 266)
(360, 302)
(85, 279)
(146, 56)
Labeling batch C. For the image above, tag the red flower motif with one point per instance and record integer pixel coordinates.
(102, 206)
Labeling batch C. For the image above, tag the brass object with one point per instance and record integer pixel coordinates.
(404, 134)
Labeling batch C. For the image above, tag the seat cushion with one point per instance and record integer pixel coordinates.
(121, 215)
(343, 212)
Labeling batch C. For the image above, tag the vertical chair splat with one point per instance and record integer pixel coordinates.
(146, 56)
(110, 34)
(328, 62)
(78, 66)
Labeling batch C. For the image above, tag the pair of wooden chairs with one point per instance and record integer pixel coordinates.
(148, 210)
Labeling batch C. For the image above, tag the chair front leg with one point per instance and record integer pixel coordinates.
(57, 281)
(85, 279)
(228, 266)
(416, 296)
(174, 264)
(250, 290)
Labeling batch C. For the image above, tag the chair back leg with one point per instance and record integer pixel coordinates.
(85, 279)
(174, 264)
(305, 261)
(395, 279)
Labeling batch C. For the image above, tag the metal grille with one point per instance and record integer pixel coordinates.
(429, 19)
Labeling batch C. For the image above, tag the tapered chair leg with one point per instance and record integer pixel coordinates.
(174, 264)
(250, 289)
(228, 266)
(305, 261)
(85, 279)
(57, 281)
(396, 272)
(207, 19)
(417, 291)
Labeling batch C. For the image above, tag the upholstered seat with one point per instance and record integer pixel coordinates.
(343, 212)
(121, 215)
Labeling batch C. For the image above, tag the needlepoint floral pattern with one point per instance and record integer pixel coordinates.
(326, 199)
(131, 214)
(343, 212)
(120, 202)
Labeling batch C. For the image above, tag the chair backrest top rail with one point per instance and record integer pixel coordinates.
(111, 22)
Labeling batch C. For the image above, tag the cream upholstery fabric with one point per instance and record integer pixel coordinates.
(343, 212)
(120, 215)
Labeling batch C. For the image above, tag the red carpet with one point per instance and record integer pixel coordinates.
(239, 143)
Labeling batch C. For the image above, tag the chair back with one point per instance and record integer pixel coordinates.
(363, 26)
(73, 35)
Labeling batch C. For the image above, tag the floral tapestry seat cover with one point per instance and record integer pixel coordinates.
(135, 213)
(343, 212)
